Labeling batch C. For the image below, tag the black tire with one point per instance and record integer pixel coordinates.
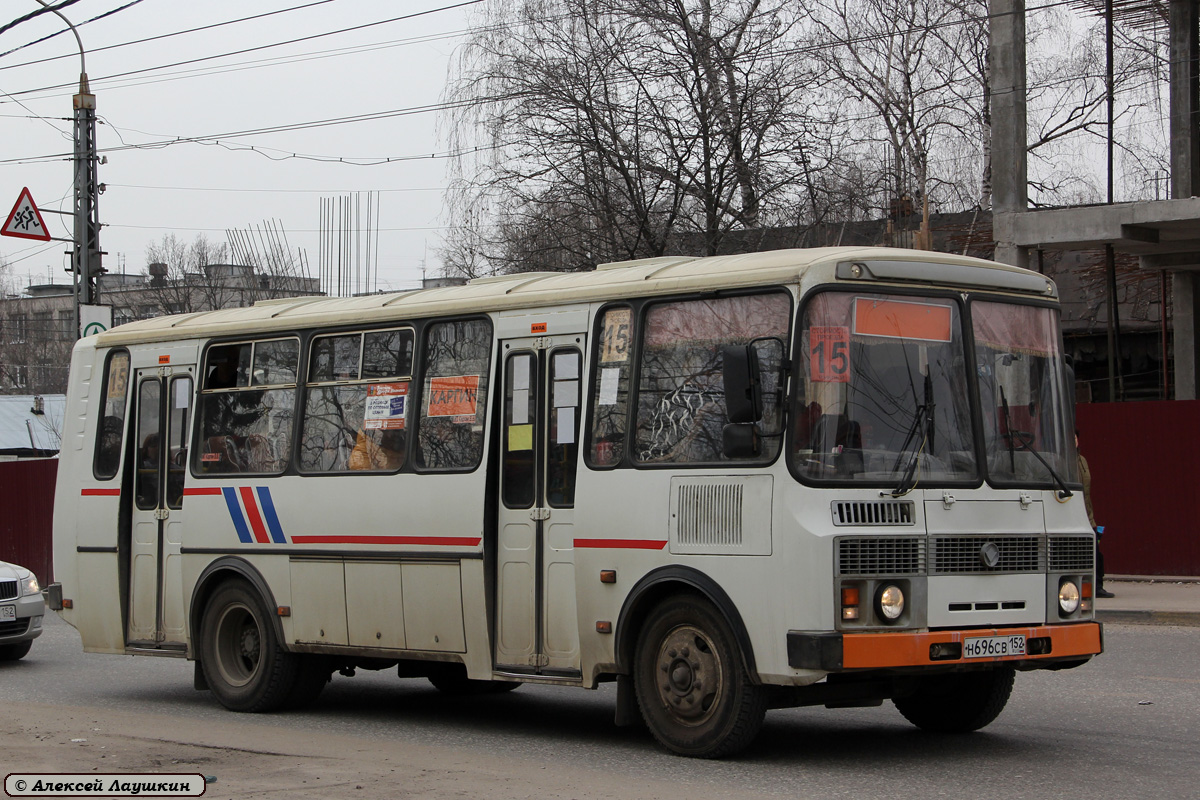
(692, 685)
(959, 702)
(15, 652)
(312, 675)
(243, 662)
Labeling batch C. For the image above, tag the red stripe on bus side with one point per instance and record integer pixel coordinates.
(207, 490)
(622, 544)
(100, 493)
(449, 541)
(256, 523)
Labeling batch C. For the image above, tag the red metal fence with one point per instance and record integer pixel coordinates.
(1145, 464)
(26, 509)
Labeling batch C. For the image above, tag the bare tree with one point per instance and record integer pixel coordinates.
(613, 127)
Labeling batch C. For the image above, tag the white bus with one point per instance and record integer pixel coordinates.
(806, 477)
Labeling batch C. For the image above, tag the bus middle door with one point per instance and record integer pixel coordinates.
(163, 416)
(536, 627)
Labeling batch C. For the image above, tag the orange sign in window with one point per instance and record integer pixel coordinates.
(829, 354)
(454, 396)
(900, 319)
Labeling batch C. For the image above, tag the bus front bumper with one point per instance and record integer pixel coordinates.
(1045, 645)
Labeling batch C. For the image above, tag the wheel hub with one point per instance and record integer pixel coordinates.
(690, 674)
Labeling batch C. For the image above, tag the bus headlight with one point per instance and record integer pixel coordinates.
(889, 602)
(1068, 596)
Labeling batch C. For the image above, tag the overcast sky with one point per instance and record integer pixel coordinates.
(243, 83)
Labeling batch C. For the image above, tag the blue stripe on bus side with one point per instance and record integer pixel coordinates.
(268, 509)
(235, 513)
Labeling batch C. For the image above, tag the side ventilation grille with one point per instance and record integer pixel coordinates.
(879, 512)
(710, 515)
(720, 515)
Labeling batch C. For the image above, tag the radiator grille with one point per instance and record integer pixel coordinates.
(881, 555)
(1070, 554)
(710, 514)
(961, 554)
(14, 628)
(8, 590)
(881, 512)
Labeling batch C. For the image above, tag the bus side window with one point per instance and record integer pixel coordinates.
(610, 405)
(110, 435)
(450, 432)
(247, 407)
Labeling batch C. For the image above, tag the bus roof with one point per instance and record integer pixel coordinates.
(668, 274)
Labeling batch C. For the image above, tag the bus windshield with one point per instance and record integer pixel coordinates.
(1022, 395)
(883, 396)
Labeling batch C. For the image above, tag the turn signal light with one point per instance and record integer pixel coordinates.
(850, 603)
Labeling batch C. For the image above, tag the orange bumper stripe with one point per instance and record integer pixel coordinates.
(878, 650)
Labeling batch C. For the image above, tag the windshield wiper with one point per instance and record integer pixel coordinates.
(921, 431)
(1023, 440)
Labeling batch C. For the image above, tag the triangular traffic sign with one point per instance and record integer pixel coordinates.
(25, 221)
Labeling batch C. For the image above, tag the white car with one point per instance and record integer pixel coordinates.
(21, 610)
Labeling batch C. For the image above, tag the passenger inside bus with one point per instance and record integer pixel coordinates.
(378, 450)
(147, 474)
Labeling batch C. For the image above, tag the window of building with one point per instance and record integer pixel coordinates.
(356, 402)
(450, 433)
(247, 407)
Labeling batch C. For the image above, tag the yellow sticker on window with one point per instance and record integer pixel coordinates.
(520, 437)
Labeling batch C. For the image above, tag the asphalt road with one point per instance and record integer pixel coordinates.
(1123, 726)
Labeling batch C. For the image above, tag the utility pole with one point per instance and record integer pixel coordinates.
(85, 260)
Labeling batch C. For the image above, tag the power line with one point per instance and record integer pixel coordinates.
(258, 48)
(141, 41)
(44, 10)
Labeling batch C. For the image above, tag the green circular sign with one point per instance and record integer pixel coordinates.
(92, 328)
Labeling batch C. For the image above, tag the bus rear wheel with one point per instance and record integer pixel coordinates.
(958, 703)
(243, 661)
(692, 687)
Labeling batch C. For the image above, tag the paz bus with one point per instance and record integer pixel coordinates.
(806, 477)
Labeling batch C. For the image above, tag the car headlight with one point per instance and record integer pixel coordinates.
(889, 603)
(29, 584)
(1068, 596)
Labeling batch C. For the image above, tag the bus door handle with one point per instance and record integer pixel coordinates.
(539, 514)
(161, 513)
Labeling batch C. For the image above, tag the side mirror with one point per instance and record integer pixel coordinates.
(740, 441)
(743, 383)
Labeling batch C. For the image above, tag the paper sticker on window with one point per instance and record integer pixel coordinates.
(610, 381)
(385, 407)
(614, 339)
(520, 437)
(453, 396)
(829, 354)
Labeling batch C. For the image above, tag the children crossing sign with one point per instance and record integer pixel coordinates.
(25, 221)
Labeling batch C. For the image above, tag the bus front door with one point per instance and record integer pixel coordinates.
(163, 414)
(536, 627)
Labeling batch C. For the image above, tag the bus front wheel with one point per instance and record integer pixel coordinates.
(692, 687)
(243, 662)
(958, 703)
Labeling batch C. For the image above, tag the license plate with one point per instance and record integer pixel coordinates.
(994, 646)
(8, 612)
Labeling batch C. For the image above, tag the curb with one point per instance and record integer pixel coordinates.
(1189, 619)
